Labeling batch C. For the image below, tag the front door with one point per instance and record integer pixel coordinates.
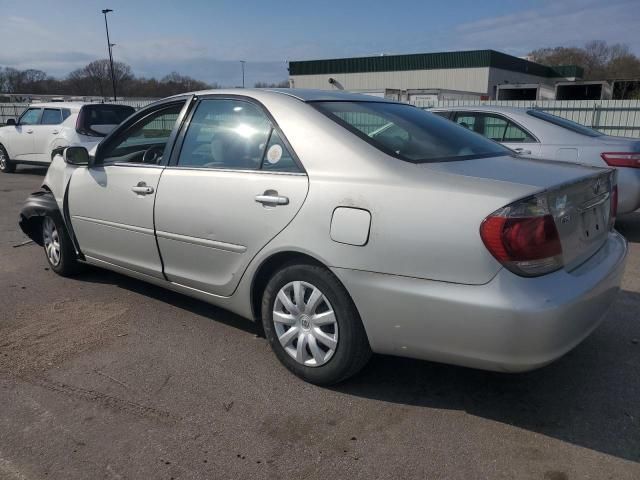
(21, 138)
(234, 186)
(111, 203)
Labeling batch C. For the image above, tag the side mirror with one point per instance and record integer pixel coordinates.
(11, 121)
(76, 156)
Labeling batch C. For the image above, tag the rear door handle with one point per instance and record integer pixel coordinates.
(142, 189)
(29, 131)
(272, 199)
(55, 132)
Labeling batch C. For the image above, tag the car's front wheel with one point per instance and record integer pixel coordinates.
(313, 325)
(58, 248)
(6, 165)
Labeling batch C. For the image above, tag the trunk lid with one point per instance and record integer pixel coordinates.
(577, 196)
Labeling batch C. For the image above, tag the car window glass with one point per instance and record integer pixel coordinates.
(414, 134)
(65, 113)
(277, 157)
(146, 140)
(515, 134)
(51, 116)
(226, 134)
(468, 121)
(494, 127)
(31, 116)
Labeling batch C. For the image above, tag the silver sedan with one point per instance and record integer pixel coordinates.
(345, 225)
(536, 134)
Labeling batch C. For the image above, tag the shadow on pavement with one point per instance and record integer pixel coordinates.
(198, 307)
(591, 397)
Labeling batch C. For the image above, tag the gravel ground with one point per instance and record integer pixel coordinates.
(105, 377)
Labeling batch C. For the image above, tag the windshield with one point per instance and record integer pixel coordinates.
(564, 123)
(409, 133)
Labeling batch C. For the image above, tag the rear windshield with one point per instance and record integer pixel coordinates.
(409, 133)
(95, 115)
(564, 123)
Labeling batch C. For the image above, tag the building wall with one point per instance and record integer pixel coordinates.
(462, 79)
(498, 77)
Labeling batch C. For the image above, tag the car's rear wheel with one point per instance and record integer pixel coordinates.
(58, 249)
(313, 325)
(6, 165)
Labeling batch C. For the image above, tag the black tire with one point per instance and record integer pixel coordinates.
(67, 264)
(352, 351)
(6, 165)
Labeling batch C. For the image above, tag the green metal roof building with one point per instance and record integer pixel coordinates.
(475, 72)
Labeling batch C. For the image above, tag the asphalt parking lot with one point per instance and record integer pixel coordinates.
(105, 377)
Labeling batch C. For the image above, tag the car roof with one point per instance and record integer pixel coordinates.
(483, 108)
(303, 94)
(70, 105)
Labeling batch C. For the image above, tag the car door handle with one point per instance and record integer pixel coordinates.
(142, 189)
(29, 131)
(272, 199)
(522, 151)
(55, 132)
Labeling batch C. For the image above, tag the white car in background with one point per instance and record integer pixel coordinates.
(43, 127)
(538, 134)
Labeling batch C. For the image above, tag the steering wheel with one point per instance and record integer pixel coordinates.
(153, 155)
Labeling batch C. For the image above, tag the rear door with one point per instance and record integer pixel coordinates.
(45, 133)
(111, 202)
(234, 185)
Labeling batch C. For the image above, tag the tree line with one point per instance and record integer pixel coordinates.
(94, 79)
(600, 61)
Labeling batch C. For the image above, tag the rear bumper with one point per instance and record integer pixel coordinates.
(509, 324)
(628, 190)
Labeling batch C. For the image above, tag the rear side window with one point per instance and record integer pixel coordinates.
(99, 120)
(564, 123)
(51, 116)
(416, 136)
(233, 134)
(495, 127)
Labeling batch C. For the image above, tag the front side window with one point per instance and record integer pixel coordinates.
(51, 116)
(233, 134)
(417, 136)
(31, 116)
(145, 141)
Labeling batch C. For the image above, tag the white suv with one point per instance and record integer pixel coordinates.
(44, 127)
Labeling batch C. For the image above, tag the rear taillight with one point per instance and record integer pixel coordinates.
(523, 237)
(622, 159)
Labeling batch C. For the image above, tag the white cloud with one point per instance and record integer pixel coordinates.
(567, 23)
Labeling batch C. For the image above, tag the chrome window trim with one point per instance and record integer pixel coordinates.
(234, 170)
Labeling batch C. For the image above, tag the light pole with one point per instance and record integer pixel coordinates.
(242, 62)
(109, 45)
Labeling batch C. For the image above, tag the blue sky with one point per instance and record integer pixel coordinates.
(206, 39)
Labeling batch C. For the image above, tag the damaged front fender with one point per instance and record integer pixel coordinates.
(38, 205)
